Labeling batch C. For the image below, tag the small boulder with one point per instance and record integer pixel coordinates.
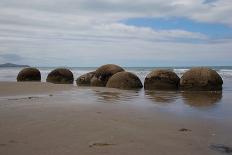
(84, 80)
(124, 80)
(161, 80)
(60, 76)
(29, 74)
(103, 74)
(201, 78)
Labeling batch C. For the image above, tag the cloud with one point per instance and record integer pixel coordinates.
(128, 8)
(84, 32)
(98, 11)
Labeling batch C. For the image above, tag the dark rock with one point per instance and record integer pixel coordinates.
(221, 148)
(100, 144)
(161, 80)
(124, 80)
(60, 76)
(201, 78)
(184, 130)
(103, 74)
(85, 80)
(29, 74)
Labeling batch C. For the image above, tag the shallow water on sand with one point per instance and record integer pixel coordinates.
(91, 119)
(215, 105)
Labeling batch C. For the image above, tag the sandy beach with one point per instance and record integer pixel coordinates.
(45, 119)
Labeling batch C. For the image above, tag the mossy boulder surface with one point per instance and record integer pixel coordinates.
(103, 74)
(161, 80)
(60, 76)
(124, 80)
(85, 80)
(29, 74)
(201, 78)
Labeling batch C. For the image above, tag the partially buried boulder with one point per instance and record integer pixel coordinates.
(103, 74)
(29, 74)
(161, 80)
(201, 78)
(84, 80)
(60, 76)
(124, 80)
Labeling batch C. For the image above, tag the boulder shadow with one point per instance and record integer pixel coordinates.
(201, 98)
(114, 96)
(163, 97)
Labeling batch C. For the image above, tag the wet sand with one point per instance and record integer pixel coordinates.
(45, 119)
(27, 88)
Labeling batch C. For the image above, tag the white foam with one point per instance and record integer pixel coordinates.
(225, 73)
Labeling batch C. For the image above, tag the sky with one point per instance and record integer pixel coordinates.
(136, 33)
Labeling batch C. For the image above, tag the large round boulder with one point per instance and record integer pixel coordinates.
(84, 80)
(201, 78)
(103, 74)
(124, 80)
(29, 74)
(60, 76)
(161, 80)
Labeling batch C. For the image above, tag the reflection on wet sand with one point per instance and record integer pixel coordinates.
(202, 98)
(115, 96)
(192, 98)
(162, 96)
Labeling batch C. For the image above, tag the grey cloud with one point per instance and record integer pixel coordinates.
(192, 9)
(82, 31)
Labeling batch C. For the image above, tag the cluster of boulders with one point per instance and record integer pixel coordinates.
(113, 76)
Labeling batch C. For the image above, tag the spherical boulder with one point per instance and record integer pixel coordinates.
(201, 78)
(84, 80)
(103, 74)
(29, 74)
(124, 80)
(161, 80)
(60, 76)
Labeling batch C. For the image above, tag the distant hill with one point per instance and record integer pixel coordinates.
(12, 65)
